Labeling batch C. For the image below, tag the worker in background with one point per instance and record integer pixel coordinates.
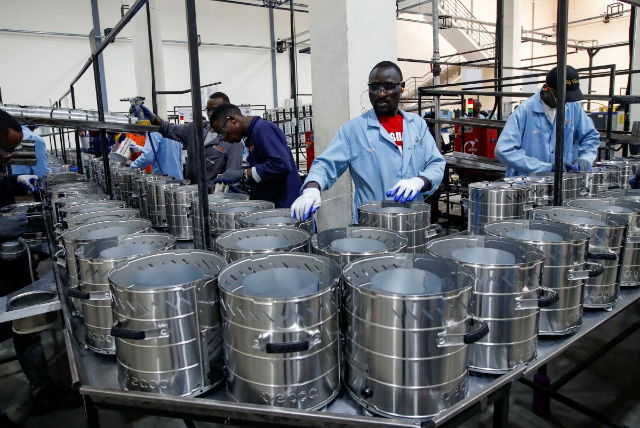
(528, 142)
(164, 155)
(42, 156)
(272, 174)
(219, 155)
(389, 152)
(47, 396)
(477, 106)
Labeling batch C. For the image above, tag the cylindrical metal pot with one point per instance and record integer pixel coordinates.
(82, 235)
(95, 261)
(95, 217)
(633, 194)
(626, 170)
(345, 244)
(630, 210)
(597, 180)
(607, 234)
(214, 199)
(237, 244)
(279, 217)
(178, 203)
(60, 204)
(225, 217)
(407, 330)
(143, 190)
(125, 180)
(495, 201)
(53, 178)
(157, 202)
(89, 207)
(565, 254)
(167, 322)
(506, 295)
(33, 323)
(412, 219)
(281, 330)
(540, 188)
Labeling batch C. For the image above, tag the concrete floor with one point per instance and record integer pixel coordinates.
(609, 386)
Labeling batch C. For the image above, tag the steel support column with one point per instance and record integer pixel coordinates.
(154, 94)
(95, 40)
(612, 90)
(274, 70)
(436, 68)
(76, 133)
(561, 45)
(294, 82)
(499, 52)
(103, 134)
(196, 105)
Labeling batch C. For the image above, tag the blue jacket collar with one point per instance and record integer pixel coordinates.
(251, 126)
(372, 118)
(537, 103)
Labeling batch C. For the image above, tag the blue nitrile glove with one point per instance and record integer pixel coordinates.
(406, 190)
(230, 176)
(582, 164)
(145, 111)
(28, 181)
(12, 226)
(635, 181)
(234, 189)
(567, 167)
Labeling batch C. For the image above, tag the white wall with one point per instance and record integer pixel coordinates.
(45, 65)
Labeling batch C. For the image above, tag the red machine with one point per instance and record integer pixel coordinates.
(308, 142)
(477, 141)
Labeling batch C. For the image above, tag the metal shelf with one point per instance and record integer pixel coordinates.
(88, 124)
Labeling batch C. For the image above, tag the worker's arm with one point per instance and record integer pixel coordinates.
(586, 135)
(147, 156)
(332, 163)
(277, 154)
(434, 164)
(509, 148)
(42, 159)
(181, 133)
(234, 156)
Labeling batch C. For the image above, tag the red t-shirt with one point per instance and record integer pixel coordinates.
(393, 125)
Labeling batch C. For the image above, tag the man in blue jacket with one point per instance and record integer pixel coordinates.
(389, 152)
(164, 155)
(528, 142)
(42, 157)
(272, 174)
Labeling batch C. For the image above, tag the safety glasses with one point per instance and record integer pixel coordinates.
(384, 87)
(223, 131)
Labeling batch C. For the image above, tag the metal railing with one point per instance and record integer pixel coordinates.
(413, 83)
(481, 35)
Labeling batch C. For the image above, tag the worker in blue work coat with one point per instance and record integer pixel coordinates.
(164, 155)
(272, 174)
(389, 152)
(528, 142)
(42, 156)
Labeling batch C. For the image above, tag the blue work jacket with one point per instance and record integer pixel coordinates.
(374, 160)
(528, 142)
(42, 157)
(271, 157)
(167, 158)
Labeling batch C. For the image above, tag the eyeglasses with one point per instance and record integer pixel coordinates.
(223, 131)
(11, 152)
(385, 87)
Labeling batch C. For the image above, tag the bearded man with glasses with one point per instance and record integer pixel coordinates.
(389, 152)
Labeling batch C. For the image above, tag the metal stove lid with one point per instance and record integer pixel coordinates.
(122, 251)
(257, 243)
(392, 210)
(407, 281)
(165, 277)
(357, 245)
(605, 205)
(275, 220)
(487, 251)
(108, 232)
(378, 207)
(214, 197)
(578, 220)
(236, 207)
(182, 189)
(580, 217)
(411, 275)
(92, 207)
(281, 283)
(10, 248)
(107, 229)
(273, 217)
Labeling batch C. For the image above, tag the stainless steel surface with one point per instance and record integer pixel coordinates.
(46, 284)
(412, 219)
(114, 214)
(468, 161)
(95, 261)
(178, 206)
(144, 191)
(59, 204)
(33, 299)
(495, 201)
(406, 319)
(597, 180)
(607, 234)
(278, 217)
(236, 244)
(505, 296)
(157, 203)
(627, 169)
(226, 217)
(214, 199)
(345, 244)
(89, 207)
(281, 330)
(173, 298)
(121, 152)
(565, 251)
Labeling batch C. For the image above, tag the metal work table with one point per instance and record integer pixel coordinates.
(47, 283)
(96, 376)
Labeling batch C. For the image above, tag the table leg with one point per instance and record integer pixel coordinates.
(501, 409)
(91, 413)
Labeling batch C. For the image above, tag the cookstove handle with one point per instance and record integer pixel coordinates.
(433, 230)
(595, 270)
(552, 298)
(287, 347)
(57, 257)
(615, 186)
(48, 208)
(77, 294)
(473, 337)
(125, 333)
(608, 255)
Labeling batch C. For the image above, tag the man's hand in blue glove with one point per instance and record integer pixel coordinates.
(12, 226)
(147, 114)
(28, 181)
(230, 176)
(582, 164)
(570, 167)
(635, 181)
